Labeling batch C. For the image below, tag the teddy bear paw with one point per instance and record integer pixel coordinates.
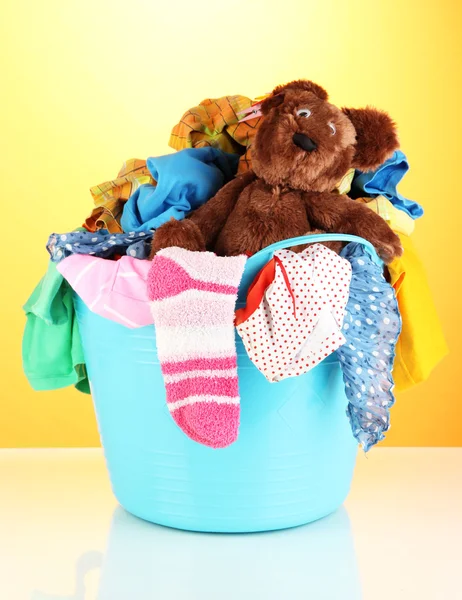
(390, 249)
(182, 234)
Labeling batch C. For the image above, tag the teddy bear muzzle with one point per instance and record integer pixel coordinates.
(304, 142)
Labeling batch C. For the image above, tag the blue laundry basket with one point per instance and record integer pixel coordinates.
(292, 463)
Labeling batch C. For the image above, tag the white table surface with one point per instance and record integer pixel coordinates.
(63, 537)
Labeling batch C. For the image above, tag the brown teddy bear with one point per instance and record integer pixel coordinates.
(302, 149)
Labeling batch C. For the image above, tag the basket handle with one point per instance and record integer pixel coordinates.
(259, 259)
(317, 238)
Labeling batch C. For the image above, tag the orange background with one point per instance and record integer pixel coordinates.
(89, 84)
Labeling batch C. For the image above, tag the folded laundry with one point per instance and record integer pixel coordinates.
(185, 180)
(193, 297)
(113, 289)
(383, 181)
(52, 351)
(100, 243)
(294, 311)
(111, 196)
(371, 327)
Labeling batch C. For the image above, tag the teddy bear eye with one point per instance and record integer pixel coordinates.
(332, 128)
(303, 112)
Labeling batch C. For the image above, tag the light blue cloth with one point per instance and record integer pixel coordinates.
(383, 182)
(371, 327)
(99, 243)
(185, 180)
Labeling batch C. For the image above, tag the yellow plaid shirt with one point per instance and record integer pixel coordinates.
(214, 122)
(110, 196)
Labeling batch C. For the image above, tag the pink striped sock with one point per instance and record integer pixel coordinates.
(193, 295)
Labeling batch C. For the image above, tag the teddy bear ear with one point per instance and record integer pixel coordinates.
(376, 137)
(303, 85)
(271, 102)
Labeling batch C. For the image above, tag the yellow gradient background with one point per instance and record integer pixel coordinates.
(86, 84)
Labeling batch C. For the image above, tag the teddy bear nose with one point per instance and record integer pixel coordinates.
(303, 141)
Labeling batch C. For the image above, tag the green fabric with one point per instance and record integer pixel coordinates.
(51, 347)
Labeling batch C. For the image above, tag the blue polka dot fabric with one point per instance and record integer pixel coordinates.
(100, 243)
(371, 327)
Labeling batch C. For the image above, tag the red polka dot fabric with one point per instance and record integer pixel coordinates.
(299, 320)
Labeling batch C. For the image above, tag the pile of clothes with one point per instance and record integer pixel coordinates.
(380, 322)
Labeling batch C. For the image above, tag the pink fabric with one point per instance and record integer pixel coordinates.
(115, 290)
(198, 264)
(203, 309)
(209, 386)
(199, 363)
(180, 281)
(193, 295)
(209, 424)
